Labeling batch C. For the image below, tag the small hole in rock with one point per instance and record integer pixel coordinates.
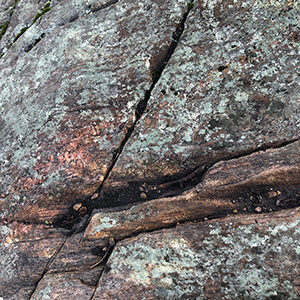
(222, 68)
(97, 251)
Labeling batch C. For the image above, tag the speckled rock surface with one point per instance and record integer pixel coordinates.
(232, 85)
(192, 105)
(68, 93)
(5, 7)
(62, 286)
(254, 257)
(20, 15)
(264, 181)
(25, 251)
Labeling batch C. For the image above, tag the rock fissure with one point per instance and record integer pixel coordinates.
(52, 258)
(45, 9)
(152, 138)
(3, 27)
(93, 202)
(103, 261)
(190, 180)
(36, 41)
(141, 106)
(264, 181)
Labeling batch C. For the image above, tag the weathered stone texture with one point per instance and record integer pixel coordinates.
(74, 78)
(20, 15)
(231, 86)
(4, 14)
(25, 250)
(76, 260)
(65, 104)
(62, 286)
(245, 257)
(264, 181)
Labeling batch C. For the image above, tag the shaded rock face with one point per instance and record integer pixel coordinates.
(192, 105)
(262, 182)
(66, 103)
(25, 251)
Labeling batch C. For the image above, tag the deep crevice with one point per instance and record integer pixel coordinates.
(170, 186)
(195, 177)
(90, 203)
(218, 216)
(104, 270)
(142, 105)
(36, 41)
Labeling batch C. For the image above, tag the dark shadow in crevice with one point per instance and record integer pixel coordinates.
(35, 42)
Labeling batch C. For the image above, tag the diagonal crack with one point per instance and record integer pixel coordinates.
(104, 260)
(215, 200)
(48, 264)
(142, 105)
(90, 9)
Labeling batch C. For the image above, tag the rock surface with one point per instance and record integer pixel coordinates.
(231, 86)
(25, 252)
(253, 257)
(149, 114)
(65, 104)
(70, 273)
(263, 181)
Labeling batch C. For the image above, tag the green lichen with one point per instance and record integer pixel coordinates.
(180, 264)
(13, 7)
(37, 16)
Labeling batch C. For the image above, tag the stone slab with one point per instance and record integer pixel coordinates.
(240, 257)
(67, 101)
(261, 182)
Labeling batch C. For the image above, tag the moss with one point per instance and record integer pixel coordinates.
(37, 16)
(13, 7)
(20, 33)
(190, 5)
(43, 11)
(3, 29)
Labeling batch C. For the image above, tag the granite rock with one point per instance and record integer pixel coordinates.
(25, 252)
(69, 90)
(231, 86)
(190, 109)
(261, 182)
(245, 257)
